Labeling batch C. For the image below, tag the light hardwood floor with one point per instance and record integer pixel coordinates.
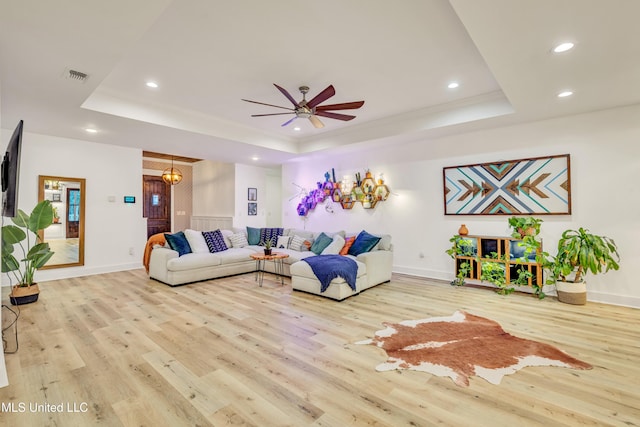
(133, 352)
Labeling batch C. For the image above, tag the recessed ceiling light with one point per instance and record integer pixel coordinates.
(91, 130)
(297, 128)
(563, 47)
(152, 84)
(565, 93)
(255, 158)
(453, 85)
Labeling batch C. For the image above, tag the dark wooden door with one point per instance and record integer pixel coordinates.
(157, 205)
(73, 213)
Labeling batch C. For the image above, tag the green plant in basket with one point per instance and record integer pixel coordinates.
(23, 252)
(580, 253)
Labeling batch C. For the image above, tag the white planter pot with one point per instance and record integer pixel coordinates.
(572, 293)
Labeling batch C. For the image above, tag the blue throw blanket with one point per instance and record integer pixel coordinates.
(328, 267)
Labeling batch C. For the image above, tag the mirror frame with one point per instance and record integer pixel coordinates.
(82, 181)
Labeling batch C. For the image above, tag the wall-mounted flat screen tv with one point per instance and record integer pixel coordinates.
(11, 173)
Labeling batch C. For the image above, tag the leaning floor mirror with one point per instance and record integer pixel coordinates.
(66, 235)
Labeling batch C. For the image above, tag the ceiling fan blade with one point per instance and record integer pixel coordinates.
(268, 105)
(271, 114)
(329, 114)
(322, 96)
(343, 106)
(289, 121)
(287, 95)
(316, 122)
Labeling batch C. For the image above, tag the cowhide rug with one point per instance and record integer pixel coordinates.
(463, 345)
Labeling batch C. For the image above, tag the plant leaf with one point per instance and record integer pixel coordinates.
(12, 234)
(41, 216)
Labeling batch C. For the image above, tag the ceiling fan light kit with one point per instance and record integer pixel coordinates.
(311, 109)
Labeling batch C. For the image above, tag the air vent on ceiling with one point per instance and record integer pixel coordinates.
(78, 76)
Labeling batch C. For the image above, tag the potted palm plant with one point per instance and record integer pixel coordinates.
(580, 252)
(23, 239)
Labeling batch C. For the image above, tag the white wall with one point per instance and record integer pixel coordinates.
(605, 159)
(112, 229)
(213, 188)
(269, 196)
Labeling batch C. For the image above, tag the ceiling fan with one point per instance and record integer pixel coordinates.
(311, 109)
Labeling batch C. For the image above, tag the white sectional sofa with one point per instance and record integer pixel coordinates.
(374, 266)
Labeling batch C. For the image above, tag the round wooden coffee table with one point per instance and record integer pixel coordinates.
(277, 259)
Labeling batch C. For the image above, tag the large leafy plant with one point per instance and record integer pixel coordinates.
(580, 252)
(22, 240)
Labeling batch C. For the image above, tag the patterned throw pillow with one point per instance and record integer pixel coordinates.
(178, 242)
(283, 242)
(215, 241)
(270, 234)
(296, 243)
(238, 240)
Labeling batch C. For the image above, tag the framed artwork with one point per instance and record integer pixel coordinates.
(56, 197)
(536, 186)
(252, 194)
(253, 209)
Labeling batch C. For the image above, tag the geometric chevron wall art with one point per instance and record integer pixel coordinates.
(540, 186)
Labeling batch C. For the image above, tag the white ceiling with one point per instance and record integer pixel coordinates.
(396, 56)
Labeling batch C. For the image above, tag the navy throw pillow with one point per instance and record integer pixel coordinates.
(363, 243)
(215, 241)
(270, 234)
(178, 242)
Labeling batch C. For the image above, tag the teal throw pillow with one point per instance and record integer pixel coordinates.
(321, 243)
(363, 243)
(178, 242)
(253, 235)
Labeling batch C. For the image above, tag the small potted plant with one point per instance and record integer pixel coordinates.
(524, 226)
(56, 216)
(267, 246)
(580, 252)
(33, 255)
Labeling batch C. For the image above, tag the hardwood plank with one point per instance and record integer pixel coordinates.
(227, 352)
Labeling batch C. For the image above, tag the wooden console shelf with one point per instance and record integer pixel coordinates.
(501, 250)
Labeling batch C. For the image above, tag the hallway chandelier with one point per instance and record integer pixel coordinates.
(172, 176)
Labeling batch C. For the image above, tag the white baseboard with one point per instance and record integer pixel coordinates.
(605, 298)
(421, 272)
(68, 273)
(625, 301)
